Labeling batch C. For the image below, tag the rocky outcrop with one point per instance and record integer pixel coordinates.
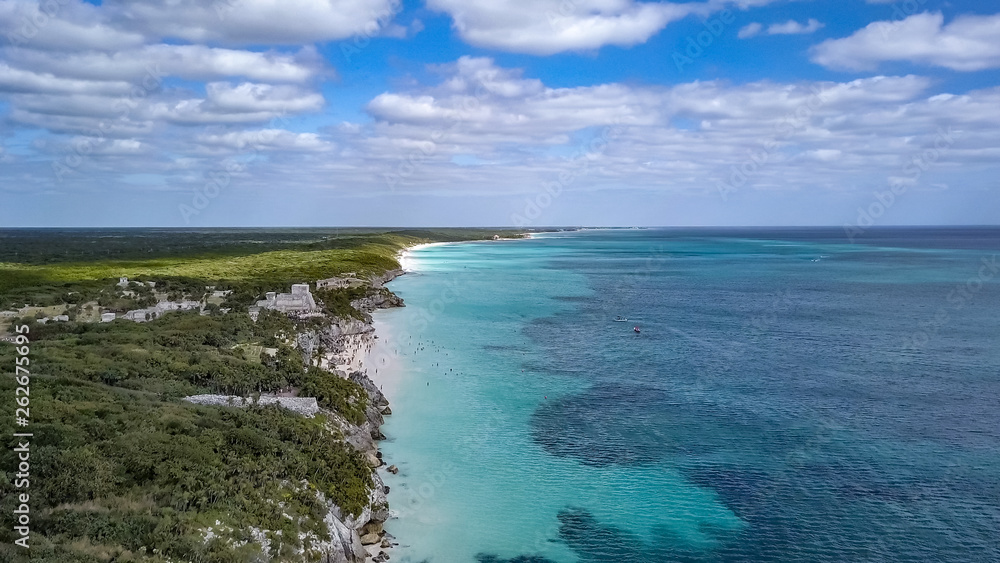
(379, 281)
(344, 545)
(339, 346)
(344, 343)
(365, 529)
(379, 298)
(365, 436)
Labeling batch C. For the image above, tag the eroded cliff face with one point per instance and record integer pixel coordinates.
(340, 347)
(355, 539)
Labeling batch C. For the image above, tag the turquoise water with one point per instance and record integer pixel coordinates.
(791, 397)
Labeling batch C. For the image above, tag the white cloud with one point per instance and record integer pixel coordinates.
(968, 43)
(266, 139)
(73, 68)
(20, 80)
(544, 27)
(825, 135)
(824, 155)
(194, 62)
(223, 97)
(749, 30)
(225, 103)
(254, 22)
(61, 25)
(791, 27)
(86, 124)
(480, 98)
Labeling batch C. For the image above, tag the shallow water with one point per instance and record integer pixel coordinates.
(791, 397)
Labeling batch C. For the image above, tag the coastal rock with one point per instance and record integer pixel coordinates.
(379, 281)
(392, 469)
(381, 298)
(380, 504)
(372, 527)
(376, 396)
(340, 348)
(342, 341)
(347, 547)
(370, 539)
(345, 544)
(377, 509)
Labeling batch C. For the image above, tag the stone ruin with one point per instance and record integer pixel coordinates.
(300, 300)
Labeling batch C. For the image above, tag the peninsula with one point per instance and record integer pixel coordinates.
(202, 396)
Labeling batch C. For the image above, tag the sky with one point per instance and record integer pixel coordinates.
(530, 113)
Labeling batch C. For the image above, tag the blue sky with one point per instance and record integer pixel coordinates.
(518, 112)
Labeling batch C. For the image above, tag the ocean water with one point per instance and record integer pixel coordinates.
(790, 397)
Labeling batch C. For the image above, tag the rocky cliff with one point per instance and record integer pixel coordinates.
(340, 347)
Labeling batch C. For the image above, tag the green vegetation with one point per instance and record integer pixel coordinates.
(121, 468)
(47, 267)
(341, 395)
(337, 302)
(119, 463)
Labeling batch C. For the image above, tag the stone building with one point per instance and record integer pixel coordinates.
(300, 300)
(141, 315)
(150, 313)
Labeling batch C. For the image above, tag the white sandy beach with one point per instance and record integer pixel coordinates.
(382, 360)
(406, 260)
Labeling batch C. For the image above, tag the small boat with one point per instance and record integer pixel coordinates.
(636, 329)
(621, 319)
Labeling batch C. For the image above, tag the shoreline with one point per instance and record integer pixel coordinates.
(403, 259)
(380, 341)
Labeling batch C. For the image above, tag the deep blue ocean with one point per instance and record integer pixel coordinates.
(791, 397)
